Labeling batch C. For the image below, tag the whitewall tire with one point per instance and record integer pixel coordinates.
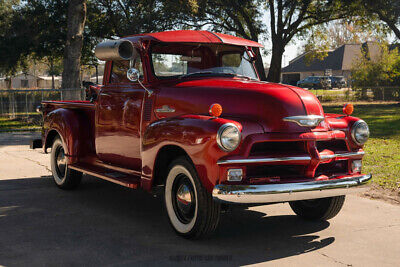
(190, 208)
(63, 177)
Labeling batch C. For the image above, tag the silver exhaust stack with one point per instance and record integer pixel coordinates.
(115, 50)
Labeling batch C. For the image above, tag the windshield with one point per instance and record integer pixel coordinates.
(189, 60)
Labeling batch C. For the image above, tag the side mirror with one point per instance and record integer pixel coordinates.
(133, 75)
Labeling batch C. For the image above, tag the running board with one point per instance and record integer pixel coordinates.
(108, 174)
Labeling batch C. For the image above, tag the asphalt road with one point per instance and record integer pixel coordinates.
(105, 224)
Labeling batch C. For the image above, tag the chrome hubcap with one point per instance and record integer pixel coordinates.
(61, 162)
(183, 199)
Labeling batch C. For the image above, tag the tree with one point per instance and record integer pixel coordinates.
(289, 18)
(35, 32)
(73, 46)
(12, 44)
(47, 22)
(383, 70)
(387, 10)
(108, 18)
(239, 17)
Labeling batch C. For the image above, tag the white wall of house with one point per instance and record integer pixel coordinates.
(22, 81)
(45, 82)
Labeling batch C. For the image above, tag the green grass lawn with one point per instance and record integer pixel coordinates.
(7, 124)
(382, 157)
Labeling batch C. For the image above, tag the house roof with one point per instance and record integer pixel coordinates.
(191, 36)
(341, 58)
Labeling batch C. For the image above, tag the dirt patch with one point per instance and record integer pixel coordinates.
(376, 192)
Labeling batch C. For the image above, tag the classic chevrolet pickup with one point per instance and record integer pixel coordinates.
(185, 112)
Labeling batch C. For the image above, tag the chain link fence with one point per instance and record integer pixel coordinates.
(369, 94)
(14, 103)
(18, 107)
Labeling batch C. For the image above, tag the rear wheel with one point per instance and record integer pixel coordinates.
(318, 209)
(64, 177)
(190, 208)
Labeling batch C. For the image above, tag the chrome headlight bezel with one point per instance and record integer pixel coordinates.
(220, 134)
(353, 132)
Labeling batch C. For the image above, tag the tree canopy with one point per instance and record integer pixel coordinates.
(37, 29)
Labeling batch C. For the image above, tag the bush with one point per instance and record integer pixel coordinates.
(381, 75)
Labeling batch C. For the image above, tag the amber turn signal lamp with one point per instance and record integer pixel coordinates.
(348, 109)
(215, 110)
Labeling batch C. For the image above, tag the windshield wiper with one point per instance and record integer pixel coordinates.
(216, 74)
(240, 76)
(195, 73)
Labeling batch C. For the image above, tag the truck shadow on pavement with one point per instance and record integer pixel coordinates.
(17, 138)
(103, 223)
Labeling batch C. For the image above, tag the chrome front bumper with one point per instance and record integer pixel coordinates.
(270, 193)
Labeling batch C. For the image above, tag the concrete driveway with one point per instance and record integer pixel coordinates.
(105, 224)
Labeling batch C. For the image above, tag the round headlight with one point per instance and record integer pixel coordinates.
(360, 132)
(228, 137)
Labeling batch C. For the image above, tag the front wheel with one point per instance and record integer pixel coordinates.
(190, 208)
(64, 177)
(318, 209)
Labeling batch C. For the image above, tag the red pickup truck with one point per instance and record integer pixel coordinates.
(185, 112)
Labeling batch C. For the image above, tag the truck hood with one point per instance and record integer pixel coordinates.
(263, 102)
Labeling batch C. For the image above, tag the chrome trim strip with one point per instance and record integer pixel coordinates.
(271, 193)
(302, 158)
(262, 160)
(343, 155)
(216, 36)
(165, 109)
(296, 119)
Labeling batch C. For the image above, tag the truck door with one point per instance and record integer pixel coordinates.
(118, 118)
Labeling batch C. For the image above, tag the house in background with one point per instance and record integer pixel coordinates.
(29, 81)
(338, 63)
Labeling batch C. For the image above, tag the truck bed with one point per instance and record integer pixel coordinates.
(69, 104)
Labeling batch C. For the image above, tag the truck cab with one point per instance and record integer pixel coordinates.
(185, 113)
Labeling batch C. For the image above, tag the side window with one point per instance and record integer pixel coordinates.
(120, 68)
(118, 72)
(139, 66)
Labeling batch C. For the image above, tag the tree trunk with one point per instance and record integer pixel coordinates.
(275, 68)
(73, 48)
(52, 82)
(52, 73)
(259, 64)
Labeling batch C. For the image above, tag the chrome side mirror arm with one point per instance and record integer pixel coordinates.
(134, 76)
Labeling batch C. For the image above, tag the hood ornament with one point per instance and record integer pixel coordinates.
(306, 121)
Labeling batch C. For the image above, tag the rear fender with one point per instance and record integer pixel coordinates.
(73, 130)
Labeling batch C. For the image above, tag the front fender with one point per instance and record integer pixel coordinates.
(71, 126)
(196, 135)
(344, 123)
